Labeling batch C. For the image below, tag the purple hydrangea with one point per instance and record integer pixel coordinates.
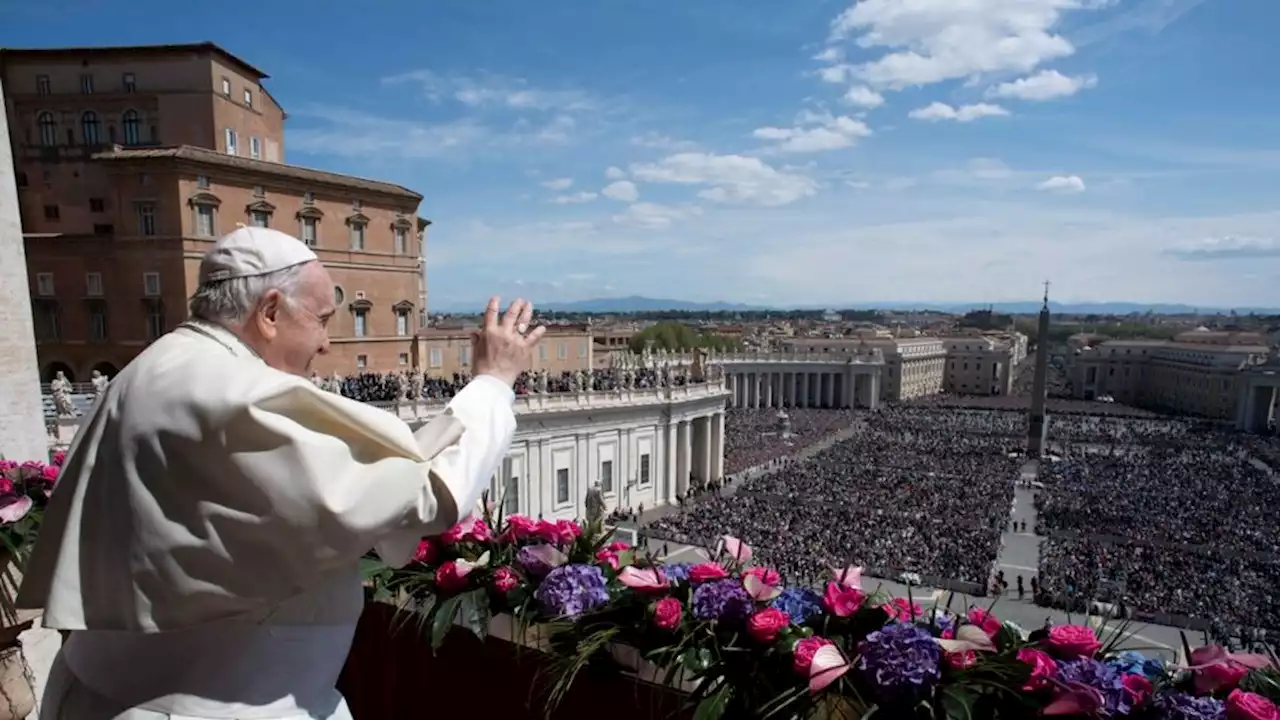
(535, 566)
(800, 604)
(677, 572)
(570, 590)
(723, 600)
(1181, 706)
(941, 621)
(1106, 679)
(901, 659)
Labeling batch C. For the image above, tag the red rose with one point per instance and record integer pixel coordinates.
(961, 660)
(1043, 668)
(705, 572)
(1243, 705)
(1070, 642)
(426, 552)
(1138, 687)
(619, 546)
(768, 576)
(841, 601)
(449, 579)
(989, 623)
(50, 474)
(504, 579)
(667, 613)
(605, 557)
(519, 527)
(765, 625)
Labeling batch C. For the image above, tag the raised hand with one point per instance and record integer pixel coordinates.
(504, 345)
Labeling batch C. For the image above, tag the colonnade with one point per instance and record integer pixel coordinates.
(850, 386)
(1259, 403)
(695, 453)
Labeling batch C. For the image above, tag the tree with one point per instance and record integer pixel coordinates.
(671, 335)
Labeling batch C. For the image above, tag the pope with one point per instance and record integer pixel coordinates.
(203, 545)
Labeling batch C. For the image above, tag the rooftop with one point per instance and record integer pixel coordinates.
(134, 50)
(204, 156)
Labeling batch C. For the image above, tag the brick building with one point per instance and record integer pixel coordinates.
(441, 352)
(131, 161)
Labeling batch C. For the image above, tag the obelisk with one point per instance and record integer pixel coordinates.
(1038, 421)
(22, 433)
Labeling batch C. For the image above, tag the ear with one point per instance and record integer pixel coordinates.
(270, 308)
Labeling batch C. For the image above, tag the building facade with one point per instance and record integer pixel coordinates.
(913, 366)
(444, 352)
(132, 161)
(981, 364)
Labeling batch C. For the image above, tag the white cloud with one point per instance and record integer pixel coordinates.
(838, 73)
(814, 132)
(623, 190)
(830, 55)
(653, 216)
(658, 141)
(1044, 85)
(1062, 184)
(575, 199)
(1227, 247)
(558, 184)
(492, 90)
(863, 96)
(615, 173)
(965, 113)
(930, 41)
(729, 178)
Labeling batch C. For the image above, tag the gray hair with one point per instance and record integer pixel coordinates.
(231, 301)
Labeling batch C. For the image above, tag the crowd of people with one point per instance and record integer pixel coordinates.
(390, 387)
(930, 500)
(755, 437)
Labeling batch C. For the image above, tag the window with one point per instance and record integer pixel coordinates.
(42, 85)
(86, 84)
(90, 128)
(402, 325)
(146, 219)
(155, 321)
(202, 182)
(51, 212)
(248, 97)
(362, 323)
(230, 141)
(402, 241)
(204, 221)
(255, 147)
(97, 205)
(403, 358)
(338, 295)
(44, 284)
(644, 469)
(132, 127)
(562, 351)
(582, 349)
(437, 357)
(542, 352)
(308, 197)
(562, 486)
(510, 488)
(606, 476)
(93, 284)
(98, 322)
(362, 361)
(226, 87)
(260, 218)
(357, 236)
(48, 129)
(48, 322)
(129, 82)
(464, 355)
(309, 228)
(151, 284)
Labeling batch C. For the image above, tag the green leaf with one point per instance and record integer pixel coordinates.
(445, 613)
(713, 706)
(957, 703)
(475, 612)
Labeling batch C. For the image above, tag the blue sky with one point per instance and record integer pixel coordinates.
(812, 151)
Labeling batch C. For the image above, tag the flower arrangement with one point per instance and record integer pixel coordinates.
(24, 491)
(752, 647)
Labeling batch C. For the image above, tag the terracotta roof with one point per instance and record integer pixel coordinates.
(190, 153)
(79, 52)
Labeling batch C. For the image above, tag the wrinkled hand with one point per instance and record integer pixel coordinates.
(503, 347)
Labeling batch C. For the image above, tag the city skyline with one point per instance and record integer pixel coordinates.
(823, 153)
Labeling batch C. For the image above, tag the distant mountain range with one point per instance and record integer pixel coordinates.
(640, 304)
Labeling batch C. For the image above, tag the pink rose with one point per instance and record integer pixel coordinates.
(505, 579)
(705, 572)
(606, 557)
(842, 601)
(471, 529)
(558, 532)
(900, 609)
(6, 486)
(1138, 687)
(667, 613)
(619, 546)
(426, 551)
(519, 527)
(450, 578)
(805, 649)
(989, 623)
(1243, 705)
(1043, 668)
(59, 458)
(961, 660)
(1070, 642)
(50, 474)
(765, 625)
(569, 530)
(768, 576)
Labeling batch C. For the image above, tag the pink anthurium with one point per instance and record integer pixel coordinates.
(849, 577)
(466, 566)
(1214, 668)
(549, 555)
(968, 637)
(1075, 699)
(828, 665)
(736, 549)
(759, 590)
(643, 580)
(16, 510)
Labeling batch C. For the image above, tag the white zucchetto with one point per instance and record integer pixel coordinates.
(252, 251)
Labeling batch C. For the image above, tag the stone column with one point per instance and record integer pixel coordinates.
(717, 446)
(706, 444)
(671, 482)
(829, 390)
(804, 390)
(768, 390)
(22, 433)
(684, 457)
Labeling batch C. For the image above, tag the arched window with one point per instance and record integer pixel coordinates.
(132, 128)
(48, 129)
(90, 128)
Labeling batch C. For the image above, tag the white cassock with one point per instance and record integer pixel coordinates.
(204, 540)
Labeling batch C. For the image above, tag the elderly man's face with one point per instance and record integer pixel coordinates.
(296, 330)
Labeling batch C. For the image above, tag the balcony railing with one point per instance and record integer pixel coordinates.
(576, 400)
(865, 357)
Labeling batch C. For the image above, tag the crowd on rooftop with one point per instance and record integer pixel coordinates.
(389, 387)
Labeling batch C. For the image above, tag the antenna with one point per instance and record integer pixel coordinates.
(1046, 292)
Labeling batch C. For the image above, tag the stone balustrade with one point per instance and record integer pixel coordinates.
(872, 356)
